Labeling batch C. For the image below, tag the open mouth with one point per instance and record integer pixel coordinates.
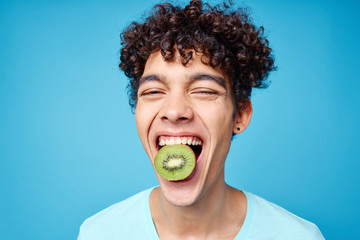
(193, 142)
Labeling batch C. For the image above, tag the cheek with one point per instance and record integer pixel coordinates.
(218, 118)
(223, 127)
(143, 119)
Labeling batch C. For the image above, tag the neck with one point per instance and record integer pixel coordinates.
(219, 208)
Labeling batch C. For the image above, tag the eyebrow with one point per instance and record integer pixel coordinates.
(192, 78)
(201, 76)
(152, 77)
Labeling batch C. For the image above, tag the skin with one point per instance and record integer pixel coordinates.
(192, 100)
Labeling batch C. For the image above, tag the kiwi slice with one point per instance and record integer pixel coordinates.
(175, 162)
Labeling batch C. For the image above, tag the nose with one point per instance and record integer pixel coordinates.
(177, 109)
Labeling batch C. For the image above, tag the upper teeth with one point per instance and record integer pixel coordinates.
(163, 140)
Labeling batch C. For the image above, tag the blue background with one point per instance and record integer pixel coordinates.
(68, 141)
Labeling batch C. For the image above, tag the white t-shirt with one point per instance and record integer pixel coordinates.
(131, 219)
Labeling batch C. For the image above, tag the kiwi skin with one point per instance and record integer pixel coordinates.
(175, 162)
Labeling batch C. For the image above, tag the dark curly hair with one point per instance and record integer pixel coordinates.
(227, 38)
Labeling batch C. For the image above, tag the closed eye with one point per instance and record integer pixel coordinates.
(153, 92)
(207, 92)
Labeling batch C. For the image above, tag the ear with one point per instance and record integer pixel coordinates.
(242, 117)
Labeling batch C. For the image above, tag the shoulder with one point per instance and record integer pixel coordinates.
(278, 222)
(116, 219)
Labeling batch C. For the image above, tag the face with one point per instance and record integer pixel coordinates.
(186, 104)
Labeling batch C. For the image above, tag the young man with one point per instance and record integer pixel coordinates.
(191, 74)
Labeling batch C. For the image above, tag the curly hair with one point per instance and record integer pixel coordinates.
(227, 38)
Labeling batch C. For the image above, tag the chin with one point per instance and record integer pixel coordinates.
(180, 193)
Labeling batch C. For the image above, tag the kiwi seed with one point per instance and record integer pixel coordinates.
(175, 162)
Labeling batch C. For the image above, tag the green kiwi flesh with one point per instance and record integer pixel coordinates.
(175, 162)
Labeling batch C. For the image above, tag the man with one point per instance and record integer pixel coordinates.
(191, 74)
